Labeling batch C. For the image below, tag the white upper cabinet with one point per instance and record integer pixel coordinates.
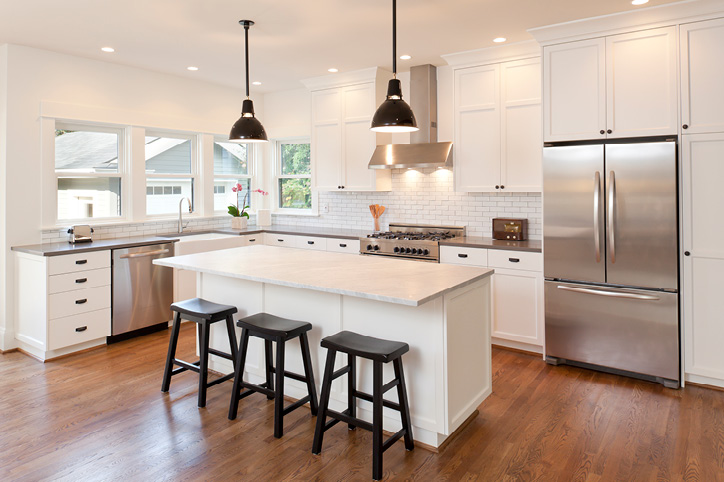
(618, 86)
(641, 88)
(342, 143)
(702, 77)
(574, 95)
(498, 127)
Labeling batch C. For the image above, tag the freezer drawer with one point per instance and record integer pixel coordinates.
(625, 329)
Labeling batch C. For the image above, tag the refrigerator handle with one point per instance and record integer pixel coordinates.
(613, 294)
(612, 216)
(597, 215)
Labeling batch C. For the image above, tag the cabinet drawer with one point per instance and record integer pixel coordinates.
(78, 301)
(350, 246)
(466, 256)
(498, 258)
(284, 240)
(253, 239)
(92, 278)
(70, 263)
(72, 330)
(311, 242)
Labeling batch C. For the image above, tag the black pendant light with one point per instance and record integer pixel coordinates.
(248, 128)
(394, 115)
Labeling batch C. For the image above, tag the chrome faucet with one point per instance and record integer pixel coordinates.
(180, 214)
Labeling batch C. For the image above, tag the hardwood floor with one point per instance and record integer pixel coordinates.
(101, 415)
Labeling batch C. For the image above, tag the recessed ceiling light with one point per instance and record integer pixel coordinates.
(192, 68)
(256, 83)
(108, 49)
(405, 57)
(639, 2)
(333, 70)
(499, 40)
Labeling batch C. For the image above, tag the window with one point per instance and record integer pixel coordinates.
(89, 172)
(231, 167)
(170, 172)
(293, 176)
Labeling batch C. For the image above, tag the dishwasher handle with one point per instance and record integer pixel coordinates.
(144, 255)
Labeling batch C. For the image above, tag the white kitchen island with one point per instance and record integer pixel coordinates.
(441, 311)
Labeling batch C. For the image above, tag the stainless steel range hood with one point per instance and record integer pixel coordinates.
(424, 151)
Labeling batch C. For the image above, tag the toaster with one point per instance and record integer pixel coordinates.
(510, 229)
(81, 233)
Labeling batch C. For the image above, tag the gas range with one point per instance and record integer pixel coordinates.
(413, 241)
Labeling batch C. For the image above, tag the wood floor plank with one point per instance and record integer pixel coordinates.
(100, 415)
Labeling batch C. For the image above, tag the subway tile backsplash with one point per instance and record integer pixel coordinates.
(418, 196)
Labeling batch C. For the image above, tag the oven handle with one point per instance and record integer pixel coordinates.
(613, 294)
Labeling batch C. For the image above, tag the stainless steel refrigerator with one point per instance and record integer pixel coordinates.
(610, 233)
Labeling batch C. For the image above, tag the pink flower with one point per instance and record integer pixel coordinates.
(237, 188)
(260, 191)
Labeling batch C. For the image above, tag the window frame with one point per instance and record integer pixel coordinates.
(194, 175)
(250, 175)
(277, 175)
(122, 173)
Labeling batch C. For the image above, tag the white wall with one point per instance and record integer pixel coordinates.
(90, 88)
(4, 335)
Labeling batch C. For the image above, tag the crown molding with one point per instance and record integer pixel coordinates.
(347, 78)
(489, 55)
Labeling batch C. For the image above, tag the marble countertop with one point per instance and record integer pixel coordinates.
(405, 282)
(322, 232)
(532, 245)
(57, 249)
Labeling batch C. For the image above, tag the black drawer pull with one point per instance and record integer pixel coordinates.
(81, 261)
(280, 240)
(81, 280)
(310, 242)
(342, 245)
(81, 328)
(514, 260)
(80, 302)
(252, 240)
(462, 255)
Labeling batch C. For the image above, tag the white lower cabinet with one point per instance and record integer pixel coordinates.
(311, 242)
(339, 245)
(518, 318)
(283, 240)
(63, 302)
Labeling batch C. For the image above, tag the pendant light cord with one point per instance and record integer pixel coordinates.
(394, 39)
(246, 45)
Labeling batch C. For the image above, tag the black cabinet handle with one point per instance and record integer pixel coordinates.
(514, 260)
(462, 255)
(497, 187)
(81, 328)
(310, 242)
(609, 131)
(80, 302)
(81, 280)
(81, 261)
(280, 240)
(342, 245)
(685, 126)
(686, 253)
(502, 187)
(252, 240)
(602, 131)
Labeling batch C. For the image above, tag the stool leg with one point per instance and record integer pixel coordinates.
(172, 343)
(204, 362)
(351, 387)
(238, 374)
(309, 373)
(279, 391)
(377, 421)
(404, 407)
(232, 339)
(269, 364)
(324, 402)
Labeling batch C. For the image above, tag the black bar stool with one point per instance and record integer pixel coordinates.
(280, 330)
(204, 314)
(379, 351)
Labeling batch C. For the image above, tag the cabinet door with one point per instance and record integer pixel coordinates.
(702, 76)
(574, 91)
(518, 306)
(327, 139)
(522, 148)
(703, 197)
(477, 129)
(641, 83)
(359, 141)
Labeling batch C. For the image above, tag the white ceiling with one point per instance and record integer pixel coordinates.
(292, 39)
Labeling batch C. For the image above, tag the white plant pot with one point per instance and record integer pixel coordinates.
(239, 222)
(263, 217)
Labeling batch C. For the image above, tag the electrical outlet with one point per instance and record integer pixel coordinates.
(324, 207)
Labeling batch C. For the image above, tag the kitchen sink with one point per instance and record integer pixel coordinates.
(184, 237)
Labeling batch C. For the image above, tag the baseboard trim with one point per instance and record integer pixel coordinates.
(3, 352)
(517, 350)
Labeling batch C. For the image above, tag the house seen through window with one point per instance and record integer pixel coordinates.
(170, 172)
(231, 167)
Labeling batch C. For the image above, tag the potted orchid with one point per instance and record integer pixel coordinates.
(240, 216)
(263, 216)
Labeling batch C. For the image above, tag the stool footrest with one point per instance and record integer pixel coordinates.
(292, 375)
(387, 386)
(194, 367)
(340, 372)
(296, 404)
(220, 354)
(254, 388)
(346, 418)
(394, 438)
(368, 397)
(221, 380)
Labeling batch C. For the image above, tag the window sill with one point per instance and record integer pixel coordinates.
(280, 212)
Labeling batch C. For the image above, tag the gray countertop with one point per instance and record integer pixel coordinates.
(322, 232)
(57, 249)
(532, 245)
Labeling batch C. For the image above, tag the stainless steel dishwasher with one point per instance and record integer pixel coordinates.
(142, 291)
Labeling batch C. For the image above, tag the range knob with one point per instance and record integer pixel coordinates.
(407, 250)
(396, 250)
(369, 247)
(426, 252)
(376, 248)
(414, 251)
